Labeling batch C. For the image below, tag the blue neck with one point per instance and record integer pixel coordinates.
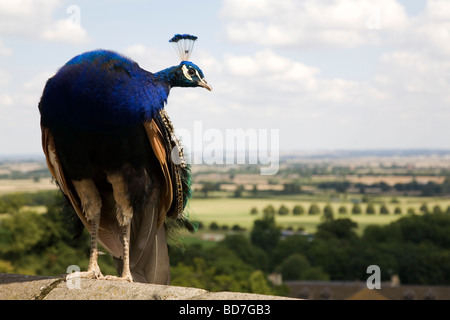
(167, 76)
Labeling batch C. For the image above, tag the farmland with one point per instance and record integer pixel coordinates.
(226, 195)
(235, 211)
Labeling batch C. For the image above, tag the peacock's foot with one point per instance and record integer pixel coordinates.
(91, 273)
(128, 278)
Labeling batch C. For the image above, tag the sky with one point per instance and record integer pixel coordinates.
(323, 75)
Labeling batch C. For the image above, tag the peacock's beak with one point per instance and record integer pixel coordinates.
(204, 84)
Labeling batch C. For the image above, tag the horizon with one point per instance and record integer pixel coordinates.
(386, 152)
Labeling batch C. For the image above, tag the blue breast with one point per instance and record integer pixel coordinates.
(101, 89)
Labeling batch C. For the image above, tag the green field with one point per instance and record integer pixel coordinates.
(236, 211)
(221, 208)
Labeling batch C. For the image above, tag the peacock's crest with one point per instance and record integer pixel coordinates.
(184, 44)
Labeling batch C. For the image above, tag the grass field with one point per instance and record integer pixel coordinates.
(232, 211)
(224, 210)
(25, 185)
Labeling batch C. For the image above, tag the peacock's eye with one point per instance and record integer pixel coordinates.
(191, 72)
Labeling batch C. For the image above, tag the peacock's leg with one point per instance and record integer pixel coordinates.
(124, 213)
(91, 203)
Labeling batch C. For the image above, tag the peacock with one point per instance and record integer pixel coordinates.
(112, 150)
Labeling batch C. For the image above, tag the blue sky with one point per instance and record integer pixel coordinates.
(342, 74)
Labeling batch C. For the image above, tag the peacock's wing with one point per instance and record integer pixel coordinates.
(174, 167)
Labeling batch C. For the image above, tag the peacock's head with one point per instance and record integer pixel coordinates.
(188, 74)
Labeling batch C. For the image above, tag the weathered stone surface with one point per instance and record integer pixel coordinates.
(20, 287)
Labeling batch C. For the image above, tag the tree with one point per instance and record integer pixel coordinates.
(338, 229)
(424, 208)
(437, 209)
(236, 228)
(293, 267)
(255, 191)
(269, 212)
(12, 202)
(328, 214)
(384, 209)
(246, 251)
(315, 273)
(3, 206)
(397, 210)
(21, 232)
(314, 209)
(254, 211)
(214, 226)
(370, 209)
(258, 283)
(208, 187)
(291, 188)
(197, 275)
(342, 210)
(265, 234)
(298, 210)
(6, 267)
(238, 191)
(283, 210)
(356, 209)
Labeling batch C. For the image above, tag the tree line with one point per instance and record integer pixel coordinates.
(357, 208)
(429, 189)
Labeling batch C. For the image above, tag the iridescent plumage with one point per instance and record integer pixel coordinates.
(108, 143)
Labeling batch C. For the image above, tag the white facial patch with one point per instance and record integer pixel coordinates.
(186, 73)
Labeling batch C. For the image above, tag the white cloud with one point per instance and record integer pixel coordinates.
(438, 10)
(35, 19)
(338, 24)
(4, 77)
(430, 31)
(415, 73)
(64, 31)
(266, 76)
(262, 63)
(346, 23)
(149, 58)
(31, 91)
(20, 116)
(5, 51)
(6, 100)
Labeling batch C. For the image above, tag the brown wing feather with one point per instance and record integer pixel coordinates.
(157, 142)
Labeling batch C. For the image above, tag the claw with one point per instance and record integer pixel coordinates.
(114, 278)
(85, 275)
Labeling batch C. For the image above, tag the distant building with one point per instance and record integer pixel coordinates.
(216, 237)
(276, 279)
(357, 290)
(289, 233)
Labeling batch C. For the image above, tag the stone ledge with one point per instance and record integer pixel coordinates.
(22, 287)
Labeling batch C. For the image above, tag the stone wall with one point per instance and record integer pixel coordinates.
(22, 287)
